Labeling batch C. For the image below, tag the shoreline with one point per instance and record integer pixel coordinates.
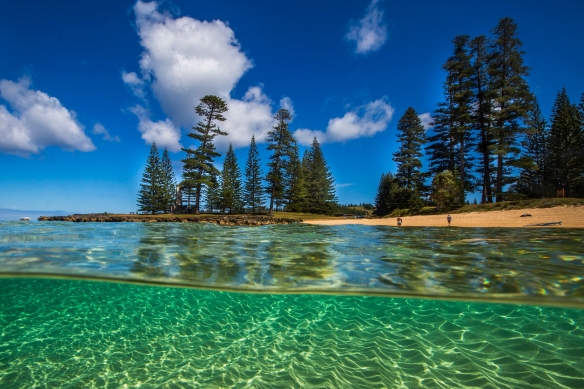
(570, 216)
(222, 220)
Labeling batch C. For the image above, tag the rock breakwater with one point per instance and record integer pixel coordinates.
(215, 219)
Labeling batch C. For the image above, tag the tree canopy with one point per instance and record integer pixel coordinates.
(198, 169)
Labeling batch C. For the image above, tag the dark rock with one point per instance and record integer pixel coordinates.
(220, 220)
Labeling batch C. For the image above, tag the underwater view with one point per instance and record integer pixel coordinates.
(289, 306)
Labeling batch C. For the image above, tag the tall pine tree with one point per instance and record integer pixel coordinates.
(411, 136)
(565, 157)
(320, 190)
(198, 165)
(511, 99)
(280, 142)
(212, 195)
(533, 171)
(253, 193)
(150, 196)
(441, 143)
(294, 182)
(483, 108)
(383, 200)
(168, 182)
(231, 192)
(460, 69)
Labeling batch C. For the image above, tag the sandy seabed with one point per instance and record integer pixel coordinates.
(571, 217)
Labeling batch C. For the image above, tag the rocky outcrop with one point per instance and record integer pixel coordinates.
(215, 219)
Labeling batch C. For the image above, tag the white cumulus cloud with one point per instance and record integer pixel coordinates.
(365, 121)
(370, 32)
(163, 132)
(184, 59)
(427, 120)
(36, 121)
(99, 129)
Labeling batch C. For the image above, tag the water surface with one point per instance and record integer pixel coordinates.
(317, 306)
(541, 266)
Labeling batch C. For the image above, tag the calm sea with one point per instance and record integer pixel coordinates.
(203, 306)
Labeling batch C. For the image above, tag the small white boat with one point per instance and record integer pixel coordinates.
(25, 219)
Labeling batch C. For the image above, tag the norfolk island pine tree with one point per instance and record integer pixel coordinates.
(150, 196)
(253, 192)
(198, 165)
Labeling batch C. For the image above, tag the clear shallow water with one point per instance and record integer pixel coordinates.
(67, 333)
(74, 334)
(539, 266)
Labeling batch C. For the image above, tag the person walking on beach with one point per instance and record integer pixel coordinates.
(448, 219)
(399, 220)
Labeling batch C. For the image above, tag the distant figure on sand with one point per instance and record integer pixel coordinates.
(448, 219)
(399, 220)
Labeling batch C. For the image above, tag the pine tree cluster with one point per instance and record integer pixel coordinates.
(158, 188)
(291, 184)
(488, 134)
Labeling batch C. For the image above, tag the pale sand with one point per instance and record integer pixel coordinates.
(571, 217)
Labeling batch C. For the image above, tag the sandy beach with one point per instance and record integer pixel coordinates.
(570, 216)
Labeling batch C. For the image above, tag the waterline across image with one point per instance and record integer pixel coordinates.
(289, 306)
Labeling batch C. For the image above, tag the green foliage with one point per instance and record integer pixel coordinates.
(349, 210)
(511, 98)
(411, 136)
(295, 187)
(565, 162)
(452, 140)
(461, 71)
(212, 196)
(198, 168)
(533, 169)
(253, 193)
(280, 142)
(482, 116)
(391, 195)
(383, 193)
(151, 195)
(446, 190)
(231, 192)
(168, 182)
(320, 190)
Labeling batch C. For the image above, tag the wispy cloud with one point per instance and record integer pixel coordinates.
(286, 103)
(370, 32)
(99, 129)
(365, 121)
(344, 185)
(36, 121)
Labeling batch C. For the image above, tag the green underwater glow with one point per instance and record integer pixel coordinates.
(58, 333)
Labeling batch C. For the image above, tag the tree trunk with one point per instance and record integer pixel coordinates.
(272, 197)
(462, 176)
(197, 199)
(499, 188)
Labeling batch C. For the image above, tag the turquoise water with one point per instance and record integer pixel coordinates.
(70, 333)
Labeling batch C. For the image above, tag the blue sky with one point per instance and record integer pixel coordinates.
(86, 86)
